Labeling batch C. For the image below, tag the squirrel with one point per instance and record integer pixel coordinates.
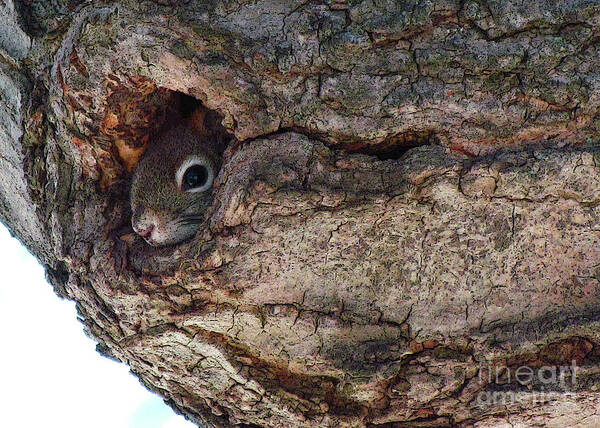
(171, 189)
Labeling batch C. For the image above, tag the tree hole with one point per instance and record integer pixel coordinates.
(138, 111)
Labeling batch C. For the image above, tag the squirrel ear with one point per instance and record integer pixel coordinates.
(197, 121)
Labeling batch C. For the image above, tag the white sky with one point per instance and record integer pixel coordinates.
(50, 373)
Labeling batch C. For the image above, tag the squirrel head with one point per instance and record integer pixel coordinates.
(172, 186)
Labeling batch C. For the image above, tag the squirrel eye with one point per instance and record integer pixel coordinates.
(195, 175)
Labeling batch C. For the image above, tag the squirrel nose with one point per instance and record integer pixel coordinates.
(146, 231)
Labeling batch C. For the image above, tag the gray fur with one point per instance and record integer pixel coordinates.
(154, 191)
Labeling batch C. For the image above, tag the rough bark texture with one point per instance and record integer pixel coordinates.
(338, 282)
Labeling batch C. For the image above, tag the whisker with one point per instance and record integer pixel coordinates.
(188, 223)
(190, 219)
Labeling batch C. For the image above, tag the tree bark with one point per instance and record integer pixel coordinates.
(406, 217)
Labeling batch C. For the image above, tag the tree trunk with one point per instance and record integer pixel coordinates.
(406, 220)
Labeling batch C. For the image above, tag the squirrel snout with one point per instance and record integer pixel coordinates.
(144, 231)
(143, 225)
(159, 228)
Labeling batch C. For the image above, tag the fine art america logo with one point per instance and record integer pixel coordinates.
(526, 384)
